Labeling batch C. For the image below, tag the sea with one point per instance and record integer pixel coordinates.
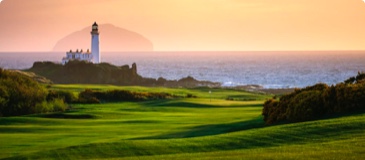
(270, 69)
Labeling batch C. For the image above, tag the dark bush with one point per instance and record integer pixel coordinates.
(305, 106)
(317, 101)
(90, 96)
(270, 111)
(66, 96)
(189, 95)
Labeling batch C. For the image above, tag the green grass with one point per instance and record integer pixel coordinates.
(177, 129)
(216, 93)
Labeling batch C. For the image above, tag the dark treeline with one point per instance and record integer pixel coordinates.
(21, 95)
(90, 96)
(317, 101)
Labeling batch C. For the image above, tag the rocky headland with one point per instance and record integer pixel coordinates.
(81, 72)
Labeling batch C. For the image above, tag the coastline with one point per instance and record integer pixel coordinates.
(272, 70)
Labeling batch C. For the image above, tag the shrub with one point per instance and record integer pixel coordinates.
(305, 106)
(59, 105)
(43, 107)
(19, 94)
(90, 96)
(56, 105)
(316, 101)
(270, 111)
(66, 96)
(189, 95)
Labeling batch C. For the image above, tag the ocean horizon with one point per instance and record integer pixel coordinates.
(270, 69)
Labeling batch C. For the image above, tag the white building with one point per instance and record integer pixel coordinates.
(94, 56)
(78, 55)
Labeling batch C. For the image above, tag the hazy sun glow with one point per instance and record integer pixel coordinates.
(190, 24)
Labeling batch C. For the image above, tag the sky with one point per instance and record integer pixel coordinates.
(191, 25)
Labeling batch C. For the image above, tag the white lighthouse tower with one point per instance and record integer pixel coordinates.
(93, 57)
(95, 43)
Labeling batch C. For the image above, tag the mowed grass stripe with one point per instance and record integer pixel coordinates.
(338, 130)
(351, 149)
(121, 121)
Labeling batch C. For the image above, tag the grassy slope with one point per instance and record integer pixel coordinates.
(177, 129)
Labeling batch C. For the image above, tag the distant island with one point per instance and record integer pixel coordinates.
(81, 72)
(113, 39)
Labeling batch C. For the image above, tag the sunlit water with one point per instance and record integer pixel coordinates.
(269, 69)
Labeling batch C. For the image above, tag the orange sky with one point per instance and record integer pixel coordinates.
(180, 25)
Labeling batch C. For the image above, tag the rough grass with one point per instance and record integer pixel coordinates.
(203, 92)
(177, 129)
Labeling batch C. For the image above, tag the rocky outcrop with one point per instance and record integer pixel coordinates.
(81, 72)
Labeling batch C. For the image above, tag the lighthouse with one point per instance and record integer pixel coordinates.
(80, 55)
(95, 43)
